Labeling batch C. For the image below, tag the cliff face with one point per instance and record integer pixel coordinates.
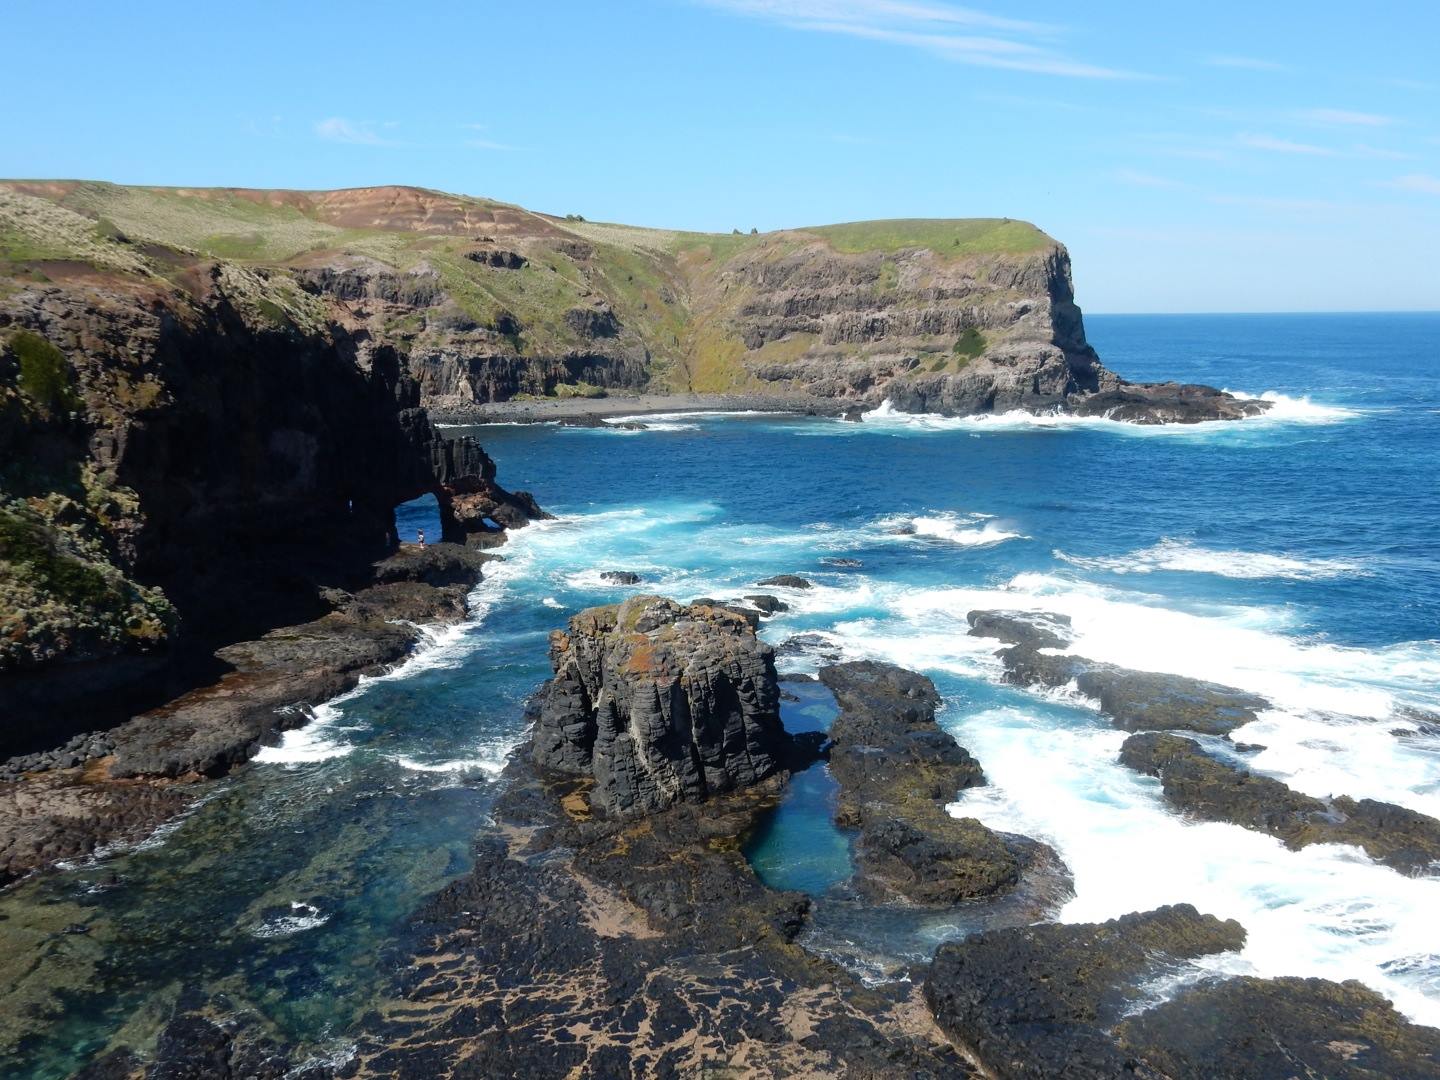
(187, 462)
(482, 302)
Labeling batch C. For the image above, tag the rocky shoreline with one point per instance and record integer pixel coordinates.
(118, 786)
(601, 933)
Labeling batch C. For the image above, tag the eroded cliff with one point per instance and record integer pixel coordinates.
(483, 302)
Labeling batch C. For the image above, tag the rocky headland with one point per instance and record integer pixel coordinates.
(497, 312)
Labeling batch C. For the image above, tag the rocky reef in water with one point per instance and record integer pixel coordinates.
(483, 302)
(597, 937)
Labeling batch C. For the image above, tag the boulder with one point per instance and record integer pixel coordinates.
(660, 704)
(768, 605)
(620, 577)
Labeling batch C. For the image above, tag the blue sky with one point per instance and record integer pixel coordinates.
(1238, 156)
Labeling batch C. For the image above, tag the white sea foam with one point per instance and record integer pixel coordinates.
(1185, 556)
(1325, 910)
(302, 917)
(1302, 410)
(1283, 409)
(967, 530)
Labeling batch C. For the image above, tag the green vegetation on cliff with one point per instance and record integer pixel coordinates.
(525, 302)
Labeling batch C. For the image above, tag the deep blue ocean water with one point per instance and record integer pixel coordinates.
(1295, 555)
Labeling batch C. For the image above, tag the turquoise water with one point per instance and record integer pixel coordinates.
(798, 846)
(1294, 555)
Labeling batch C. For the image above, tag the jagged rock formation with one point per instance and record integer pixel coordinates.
(1201, 784)
(660, 704)
(897, 771)
(484, 302)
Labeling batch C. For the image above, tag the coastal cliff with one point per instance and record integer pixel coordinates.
(188, 460)
(480, 302)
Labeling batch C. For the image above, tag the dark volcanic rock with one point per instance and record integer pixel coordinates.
(499, 258)
(633, 947)
(1216, 790)
(897, 770)
(1036, 1001)
(660, 704)
(786, 581)
(1278, 1029)
(1134, 700)
(768, 604)
(620, 577)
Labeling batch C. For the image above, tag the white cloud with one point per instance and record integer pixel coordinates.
(1344, 116)
(1011, 44)
(1247, 63)
(338, 129)
(1422, 183)
(1283, 146)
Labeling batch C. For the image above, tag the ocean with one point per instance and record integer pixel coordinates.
(1294, 555)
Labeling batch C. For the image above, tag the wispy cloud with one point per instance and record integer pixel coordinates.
(338, 129)
(1262, 202)
(1246, 63)
(1412, 84)
(1283, 146)
(1422, 183)
(1344, 117)
(1380, 153)
(960, 34)
(1135, 178)
(481, 141)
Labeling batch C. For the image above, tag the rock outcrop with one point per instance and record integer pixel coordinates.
(1134, 700)
(1038, 1001)
(1202, 785)
(897, 771)
(1277, 1029)
(660, 704)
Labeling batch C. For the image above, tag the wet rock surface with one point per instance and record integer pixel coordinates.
(897, 770)
(595, 947)
(1039, 1001)
(1276, 1029)
(660, 704)
(620, 577)
(153, 765)
(1134, 700)
(1198, 783)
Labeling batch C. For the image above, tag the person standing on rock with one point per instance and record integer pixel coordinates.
(420, 537)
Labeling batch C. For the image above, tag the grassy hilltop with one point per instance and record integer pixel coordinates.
(680, 298)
